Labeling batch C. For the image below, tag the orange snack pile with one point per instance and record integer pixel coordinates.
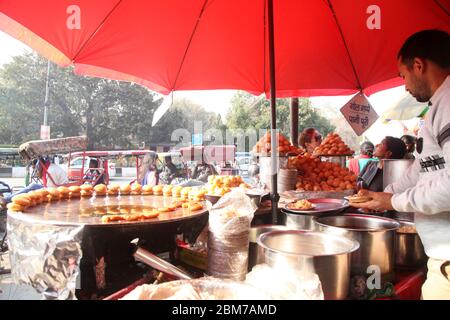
(333, 145)
(316, 175)
(263, 146)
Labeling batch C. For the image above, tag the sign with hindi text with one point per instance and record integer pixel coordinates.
(359, 113)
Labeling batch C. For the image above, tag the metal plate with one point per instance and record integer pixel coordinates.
(322, 205)
(89, 211)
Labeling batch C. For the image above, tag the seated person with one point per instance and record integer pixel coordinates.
(371, 177)
(203, 170)
(49, 173)
(93, 175)
(410, 142)
(310, 139)
(358, 163)
(148, 173)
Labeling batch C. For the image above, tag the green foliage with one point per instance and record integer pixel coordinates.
(112, 114)
(247, 113)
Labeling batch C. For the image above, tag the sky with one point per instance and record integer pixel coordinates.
(220, 100)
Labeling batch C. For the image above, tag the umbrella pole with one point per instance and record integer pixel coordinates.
(273, 155)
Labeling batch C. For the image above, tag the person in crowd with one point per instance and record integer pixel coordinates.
(357, 164)
(371, 177)
(310, 139)
(49, 174)
(424, 63)
(253, 169)
(94, 176)
(203, 170)
(148, 172)
(169, 171)
(410, 142)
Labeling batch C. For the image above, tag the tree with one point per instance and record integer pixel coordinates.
(246, 112)
(112, 114)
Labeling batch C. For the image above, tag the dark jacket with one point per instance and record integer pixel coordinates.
(372, 177)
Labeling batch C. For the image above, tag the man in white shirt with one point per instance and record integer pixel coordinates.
(56, 176)
(424, 63)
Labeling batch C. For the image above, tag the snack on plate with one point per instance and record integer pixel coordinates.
(193, 206)
(74, 192)
(357, 198)
(136, 188)
(333, 145)
(158, 190)
(35, 197)
(64, 192)
(220, 185)
(301, 205)
(167, 190)
(113, 189)
(53, 194)
(147, 190)
(197, 194)
(264, 146)
(317, 175)
(125, 189)
(185, 192)
(22, 200)
(15, 207)
(100, 190)
(176, 191)
(86, 190)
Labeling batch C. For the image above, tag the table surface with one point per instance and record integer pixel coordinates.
(89, 211)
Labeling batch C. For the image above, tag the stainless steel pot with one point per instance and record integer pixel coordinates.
(376, 236)
(409, 251)
(298, 221)
(394, 169)
(327, 255)
(255, 252)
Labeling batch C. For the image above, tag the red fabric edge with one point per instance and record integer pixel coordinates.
(100, 72)
(21, 33)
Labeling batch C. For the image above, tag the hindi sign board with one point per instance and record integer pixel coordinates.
(359, 113)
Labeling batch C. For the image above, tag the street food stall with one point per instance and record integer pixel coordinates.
(269, 43)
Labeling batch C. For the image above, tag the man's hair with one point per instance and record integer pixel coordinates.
(367, 148)
(306, 136)
(396, 146)
(433, 45)
(93, 162)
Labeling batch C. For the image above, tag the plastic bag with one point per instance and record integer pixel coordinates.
(285, 283)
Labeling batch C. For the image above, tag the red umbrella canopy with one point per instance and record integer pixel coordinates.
(334, 47)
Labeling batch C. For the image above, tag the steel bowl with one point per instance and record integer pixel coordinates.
(255, 252)
(376, 236)
(326, 255)
(409, 251)
(212, 198)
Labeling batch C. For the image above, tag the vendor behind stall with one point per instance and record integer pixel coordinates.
(424, 63)
(310, 139)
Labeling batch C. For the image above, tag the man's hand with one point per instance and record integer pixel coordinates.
(380, 201)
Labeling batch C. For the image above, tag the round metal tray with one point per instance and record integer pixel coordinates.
(89, 211)
(322, 205)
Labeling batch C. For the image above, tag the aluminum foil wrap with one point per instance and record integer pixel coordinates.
(45, 256)
(228, 238)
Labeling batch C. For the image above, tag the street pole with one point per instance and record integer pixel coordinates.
(274, 196)
(46, 93)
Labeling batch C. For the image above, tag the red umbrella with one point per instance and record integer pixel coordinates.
(295, 48)
(334, 47)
